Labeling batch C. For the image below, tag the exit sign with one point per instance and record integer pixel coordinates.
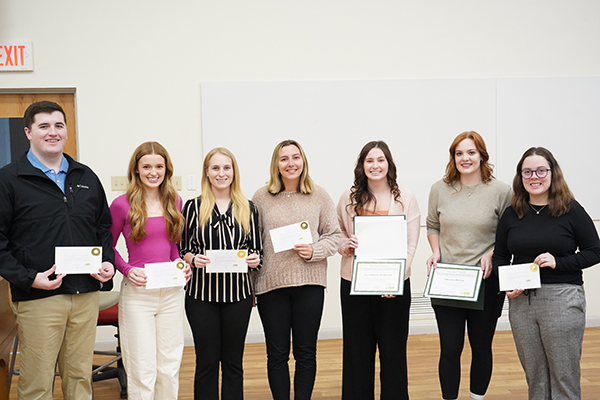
(16, 56)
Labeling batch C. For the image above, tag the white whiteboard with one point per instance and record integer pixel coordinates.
(418, 119)
(561, 114)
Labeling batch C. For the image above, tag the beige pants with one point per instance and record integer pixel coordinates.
(63, 328)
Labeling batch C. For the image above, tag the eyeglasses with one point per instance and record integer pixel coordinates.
(540, 173)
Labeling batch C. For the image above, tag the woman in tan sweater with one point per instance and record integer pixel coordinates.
(290, 285)
(375, 322)
(463, 213)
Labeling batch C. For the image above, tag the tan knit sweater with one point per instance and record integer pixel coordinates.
(466, 218)
(287, 268)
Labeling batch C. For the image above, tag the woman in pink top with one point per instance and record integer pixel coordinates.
(372, 322)
(150, 320)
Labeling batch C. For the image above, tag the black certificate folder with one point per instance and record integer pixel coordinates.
(472, 305)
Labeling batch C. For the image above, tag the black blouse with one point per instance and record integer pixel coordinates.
(571, 238)
(222, 232)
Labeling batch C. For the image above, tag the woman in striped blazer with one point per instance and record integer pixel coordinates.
(218, 304)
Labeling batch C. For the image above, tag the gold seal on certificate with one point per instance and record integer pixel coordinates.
(180, 265)
(454, 282)
(96, 251)
(533, 267)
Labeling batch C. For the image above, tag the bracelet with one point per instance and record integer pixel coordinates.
(194, 261)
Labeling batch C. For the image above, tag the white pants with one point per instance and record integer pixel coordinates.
(151, 329)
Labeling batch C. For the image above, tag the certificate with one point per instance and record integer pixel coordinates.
(226, 261)
(378, 277)
(456, 282)
(380, 236)
(164, 274)
(78, 259)
(519, 276)
(286, 237)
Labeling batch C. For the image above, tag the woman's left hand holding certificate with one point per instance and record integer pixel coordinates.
(137, 276)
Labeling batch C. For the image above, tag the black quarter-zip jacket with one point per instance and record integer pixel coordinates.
(36, 216)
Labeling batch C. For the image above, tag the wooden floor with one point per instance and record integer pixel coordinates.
(508, 381)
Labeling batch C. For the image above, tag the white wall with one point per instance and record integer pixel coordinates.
(137, 65)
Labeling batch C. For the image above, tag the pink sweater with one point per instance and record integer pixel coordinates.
(154, 247)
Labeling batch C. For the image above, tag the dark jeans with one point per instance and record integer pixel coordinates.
(481, 326)
(219, 331)
(372, 322)
(299, 310)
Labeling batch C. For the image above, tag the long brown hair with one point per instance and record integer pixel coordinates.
(559, 194)
(241, 207)
(275, 184)
(138, 214)
(360, 195)
(452, 174)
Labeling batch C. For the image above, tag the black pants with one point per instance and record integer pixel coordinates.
(219, 331)
(297, 310)
(372, 322)
(481, 326)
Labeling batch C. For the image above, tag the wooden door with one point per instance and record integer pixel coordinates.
(13, 105)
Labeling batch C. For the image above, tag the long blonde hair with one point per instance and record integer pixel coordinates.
(241, 207)
(275, 184)
(138, 215)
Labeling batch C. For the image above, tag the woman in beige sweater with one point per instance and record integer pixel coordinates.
(463, 213)
(290, 285)
(375, 322)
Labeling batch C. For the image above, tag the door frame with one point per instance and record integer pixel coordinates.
(14, 102)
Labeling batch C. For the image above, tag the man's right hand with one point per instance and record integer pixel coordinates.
(42, 280)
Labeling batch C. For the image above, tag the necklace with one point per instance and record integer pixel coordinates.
(469, 189)
(537, 211)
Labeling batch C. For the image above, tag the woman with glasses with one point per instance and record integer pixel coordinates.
(546, 226)
(464, 210)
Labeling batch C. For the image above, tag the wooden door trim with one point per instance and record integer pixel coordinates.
(13, 103)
